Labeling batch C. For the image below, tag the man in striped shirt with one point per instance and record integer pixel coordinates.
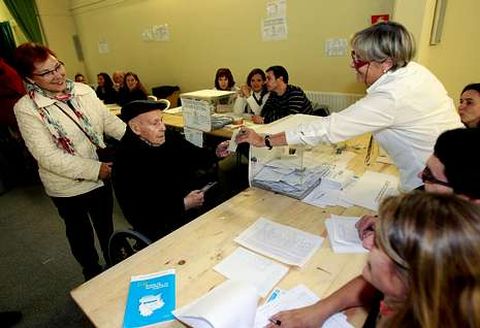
(285, 99)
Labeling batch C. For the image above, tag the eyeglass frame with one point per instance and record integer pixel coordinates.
(427, 176)
(56, 69)
(358, 63)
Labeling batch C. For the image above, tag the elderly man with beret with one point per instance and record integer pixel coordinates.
(154, 173)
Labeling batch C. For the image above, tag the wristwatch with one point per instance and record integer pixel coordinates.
(266, 139)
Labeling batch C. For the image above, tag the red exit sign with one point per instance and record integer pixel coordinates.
(374, 19)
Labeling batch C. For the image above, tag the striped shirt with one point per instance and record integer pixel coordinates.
(293, 101)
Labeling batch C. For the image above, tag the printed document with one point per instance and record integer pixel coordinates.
(280, 242)
(259, 271)
(299, 296)
(343, 235)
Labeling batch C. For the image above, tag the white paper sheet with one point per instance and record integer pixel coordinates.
(231, 304)
(283, 243)
(343, 235)
(371, 188)
(259, 271)
(297, 297)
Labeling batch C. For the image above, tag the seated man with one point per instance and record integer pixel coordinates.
(154, 172)
(453, 168)
(285, 99)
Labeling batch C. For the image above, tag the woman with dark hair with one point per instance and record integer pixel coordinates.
(105, 90)
(63, 124)
(253, 95)
(469, 108)
(132, 90)
(424, 261)
(224, 80)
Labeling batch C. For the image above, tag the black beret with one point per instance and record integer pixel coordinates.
(137, 107)
(458, 151)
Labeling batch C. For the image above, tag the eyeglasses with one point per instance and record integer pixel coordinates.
(427, 176)
(58, 67)
(357, 63)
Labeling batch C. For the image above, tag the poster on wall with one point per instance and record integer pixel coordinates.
(103, 47)
(274, 26)
(274, 29)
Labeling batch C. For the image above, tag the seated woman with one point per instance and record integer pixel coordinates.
(426, 254)
(469, 108)
(105, 90)
(224, 80)
(132, 90)
(253, 95)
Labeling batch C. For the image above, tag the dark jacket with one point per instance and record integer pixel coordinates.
(293, 101)
(151, 182)
(107, 95)
(125, 95)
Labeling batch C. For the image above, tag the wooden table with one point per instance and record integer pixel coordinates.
(198, 246)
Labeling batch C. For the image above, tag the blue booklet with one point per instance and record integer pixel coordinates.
(151, 299)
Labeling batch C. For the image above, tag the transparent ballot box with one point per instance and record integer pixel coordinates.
(203, 109)
(293, 170)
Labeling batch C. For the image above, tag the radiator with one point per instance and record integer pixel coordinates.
(335, 101)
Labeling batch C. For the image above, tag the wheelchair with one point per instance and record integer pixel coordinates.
(124, 243)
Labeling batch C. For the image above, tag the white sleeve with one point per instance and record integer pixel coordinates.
(369, 114)
(42, 147)
(239, 106)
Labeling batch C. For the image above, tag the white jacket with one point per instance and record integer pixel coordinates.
(63, 174)
(406, 110)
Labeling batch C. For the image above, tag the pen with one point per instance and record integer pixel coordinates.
(275, 322)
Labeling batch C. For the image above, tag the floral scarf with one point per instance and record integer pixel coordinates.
(59, 134)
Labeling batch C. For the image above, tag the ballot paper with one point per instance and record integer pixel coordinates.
(371, 188)
(297, 297)
(280, 242)
(231, 304)
(343, 235)
(257, 270)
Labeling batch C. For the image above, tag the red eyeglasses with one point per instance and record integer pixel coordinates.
(357, 63)
(427, 176)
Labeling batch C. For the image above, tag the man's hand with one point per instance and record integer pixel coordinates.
(105, 171)
(222, 149)
(194, 199)
(250, 136)
(366, 230)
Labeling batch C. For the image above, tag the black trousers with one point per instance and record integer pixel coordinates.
(77, 211)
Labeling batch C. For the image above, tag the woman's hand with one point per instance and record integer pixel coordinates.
(250, 136)
(193, 199)
(245, 91)
(366, 230)
(257, 119)
(308, 317)
(105, 171)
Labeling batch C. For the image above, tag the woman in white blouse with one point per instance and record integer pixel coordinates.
(405, 109)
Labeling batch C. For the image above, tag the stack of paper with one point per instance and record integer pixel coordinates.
(297, 297)
(343, 234)
(280, 242)
(259, 271)
(371, 188)
(231, 304)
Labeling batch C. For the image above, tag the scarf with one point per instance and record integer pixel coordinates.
(57, 131)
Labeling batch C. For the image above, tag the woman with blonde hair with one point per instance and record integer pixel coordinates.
(405, 109)
(425, 263)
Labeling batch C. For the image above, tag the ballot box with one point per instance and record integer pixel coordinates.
(205, 109)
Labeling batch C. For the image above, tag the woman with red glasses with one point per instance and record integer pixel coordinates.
(63, 124)
(406, 107)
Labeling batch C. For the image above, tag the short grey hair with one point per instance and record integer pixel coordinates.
(385, 40)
